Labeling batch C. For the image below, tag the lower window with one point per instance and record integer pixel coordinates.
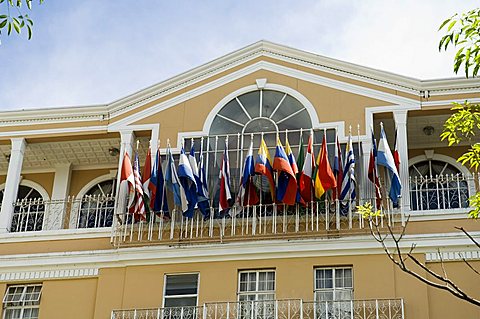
(22, 302)
(256, 294)
(333, 292)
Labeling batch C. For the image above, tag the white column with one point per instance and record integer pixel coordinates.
(55, 215)
(12, 182)
(400, 118)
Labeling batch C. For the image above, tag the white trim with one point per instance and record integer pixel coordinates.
(438, 214)
(39, 188)
(447, 102)
(248, 250)
(56, 234)
(262, 65)
(452, 255)
(52, 131)
(49, 274)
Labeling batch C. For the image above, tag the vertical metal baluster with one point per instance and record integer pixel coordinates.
(438, 192)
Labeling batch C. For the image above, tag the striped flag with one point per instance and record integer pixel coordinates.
(158, 202)
(200, 178)
(188, 184)
(306, 175)
(396, 155)
(338, 169)
(173, 182)
(286, 181)
(139, 208)
(349, 182)
(247, 195)
(263, 166)
(324, 179)
(147, 173)
(225, 189)
(373, 172)
(385, 158)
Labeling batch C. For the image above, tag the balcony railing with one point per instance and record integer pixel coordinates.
(325, 218)
(275, 309)
(86, 212)
(442, 191)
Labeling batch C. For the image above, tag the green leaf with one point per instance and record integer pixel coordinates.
(3, 24)
(450, 26)
(9, 28)
(29, 30)
(444, 23)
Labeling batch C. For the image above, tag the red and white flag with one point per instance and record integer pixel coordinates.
(147, 173)
(306, 175)
(396, 155)
(225, 190)
(139, 209)
(127, 179)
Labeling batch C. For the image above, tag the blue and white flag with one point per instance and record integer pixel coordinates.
(188, 184)
(385, 158)
(200, 179)
(173, 182)
(159, 202)
(247, 195)
(349, 182)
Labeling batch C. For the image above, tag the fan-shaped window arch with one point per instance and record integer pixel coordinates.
(437, 184)
(29, 207)
(97, 205)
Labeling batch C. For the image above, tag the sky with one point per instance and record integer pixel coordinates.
(90, 52)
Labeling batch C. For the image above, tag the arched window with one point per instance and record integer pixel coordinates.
(97, 206)
(436, 184)
(29, 210)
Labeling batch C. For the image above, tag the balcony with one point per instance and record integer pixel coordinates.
(275, 309)
(332, 218)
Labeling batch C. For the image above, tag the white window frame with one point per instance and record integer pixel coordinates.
(257, 292)
(22, 302)
(334, 289)
(180, 296)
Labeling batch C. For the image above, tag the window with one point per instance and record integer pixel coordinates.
(333, 284)
(256, 294)
(29, 210)
(97, 206)
(256, 285)
(22, 302)
(435, 184)
(181, 290)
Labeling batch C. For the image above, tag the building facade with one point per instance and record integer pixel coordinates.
(68, 251)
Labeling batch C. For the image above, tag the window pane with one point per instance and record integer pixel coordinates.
(181, 285)
(270, 101)
(234, 111)
(181, 302)
(251, 102)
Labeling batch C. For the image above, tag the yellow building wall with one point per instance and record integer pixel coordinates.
(374, 277)
(80, 178)
(72, 299)
(44, 179)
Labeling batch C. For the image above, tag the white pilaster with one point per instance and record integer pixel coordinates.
(12, 182)
(400, 118)
(55, 215)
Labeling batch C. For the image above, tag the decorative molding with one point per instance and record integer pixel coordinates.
(49, 274)
(57, 234)
(452, 256)
(247, 250)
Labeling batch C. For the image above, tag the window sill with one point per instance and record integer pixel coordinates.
(56, 234)
(438, 214)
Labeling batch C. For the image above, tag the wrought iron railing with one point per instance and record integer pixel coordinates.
(275, 309)
(442, 191)
(322, 218)
(86, 212)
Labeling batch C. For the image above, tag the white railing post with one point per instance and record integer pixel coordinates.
(204, 315)
(376, 309)
(301, 308)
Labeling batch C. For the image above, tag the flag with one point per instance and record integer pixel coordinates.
(338, 169)
(247, 195)
(202, 193)
(158, 201)
(187, 183)
(286, 181)
(373, 172)
(306, 175)
(300, 161)
(139, 208)
(127, 177)
(263, 166)
(225, 189)
(385, 158)
(173, 183)
(349, 182)
(396, 155)
(324, 179)
(147, 173)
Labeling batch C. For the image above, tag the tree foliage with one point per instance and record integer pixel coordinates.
(13, 19)
(463, 32)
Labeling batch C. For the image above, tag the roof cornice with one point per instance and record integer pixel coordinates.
(261, 48)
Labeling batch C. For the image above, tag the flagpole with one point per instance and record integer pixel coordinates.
(360, 160)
